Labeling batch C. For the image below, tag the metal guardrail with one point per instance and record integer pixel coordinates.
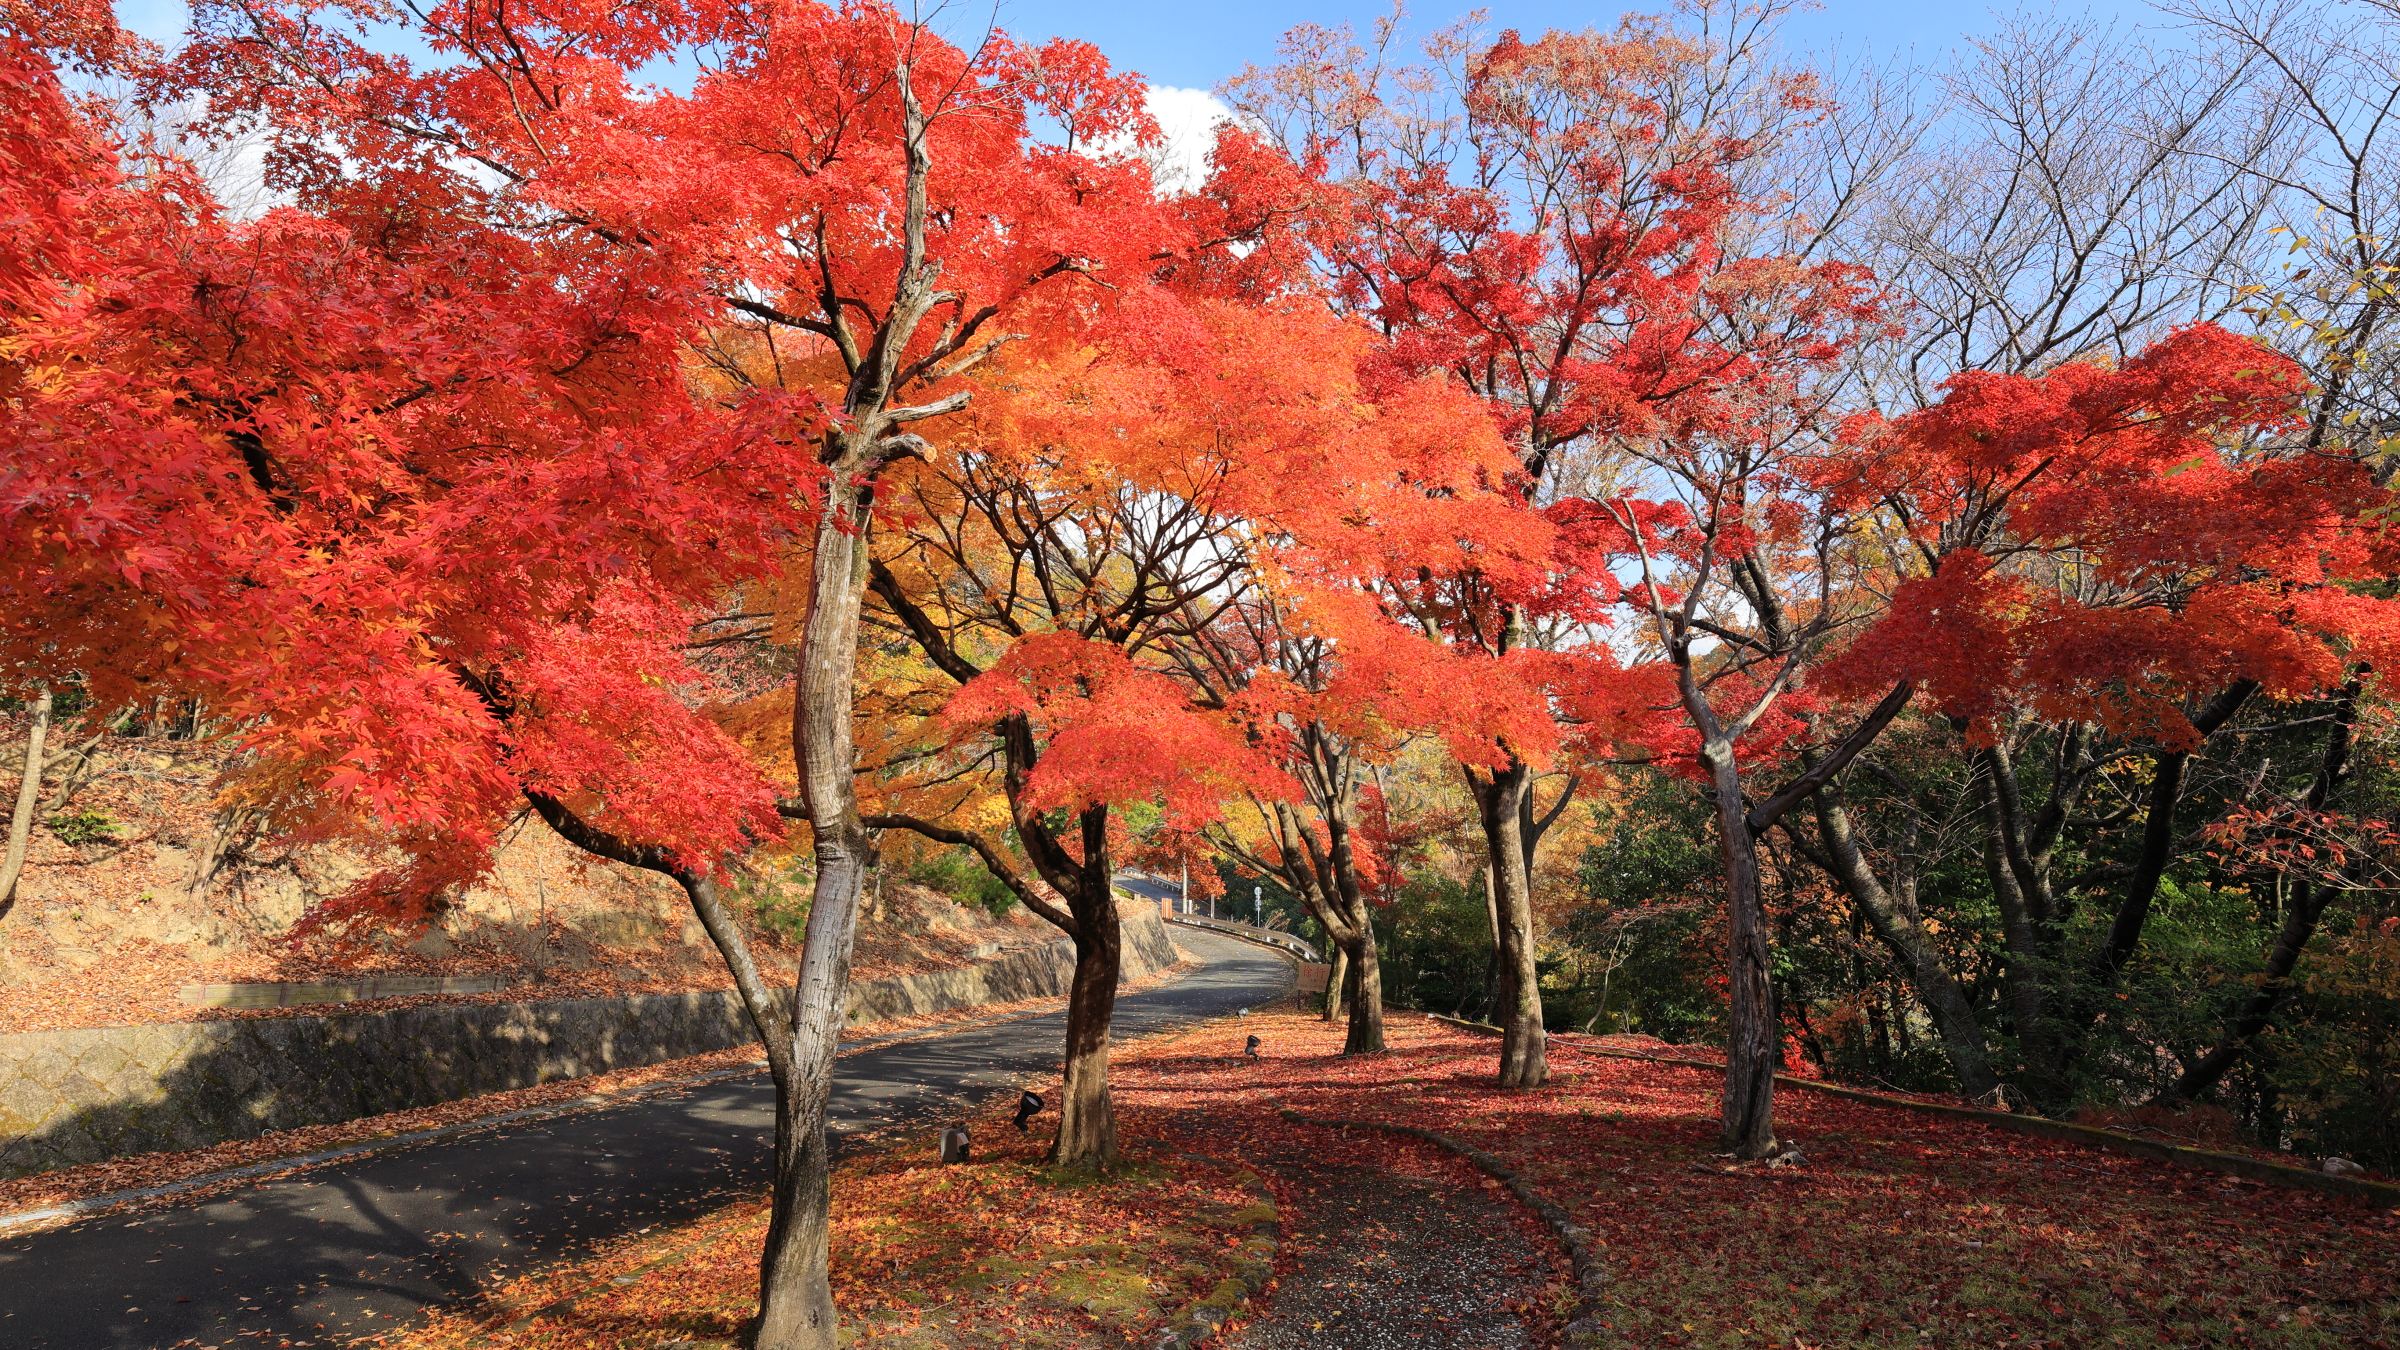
(1251, 932)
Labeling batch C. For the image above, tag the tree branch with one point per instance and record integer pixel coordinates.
(993, 861)
(1763, 817)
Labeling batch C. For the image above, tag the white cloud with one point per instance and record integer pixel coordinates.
(1188, 120)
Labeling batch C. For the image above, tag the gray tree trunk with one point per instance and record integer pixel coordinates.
(29, 791)
(1524, 1049)
(796, 1309)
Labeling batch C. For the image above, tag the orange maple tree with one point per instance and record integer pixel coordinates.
(418, 472)
(1074, 567)
(1564, 250)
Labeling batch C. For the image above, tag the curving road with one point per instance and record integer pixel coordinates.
(365, 1244)
(1149, 888)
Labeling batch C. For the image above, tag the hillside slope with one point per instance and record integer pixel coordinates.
(138, 885)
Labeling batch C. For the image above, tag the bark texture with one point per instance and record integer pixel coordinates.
(29, 791)
(1087, 1117)
(1500, 806)
(1753, 1041)
(796, 1310)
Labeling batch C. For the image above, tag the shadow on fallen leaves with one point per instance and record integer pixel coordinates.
(1000, 1251)
(1899, 1230)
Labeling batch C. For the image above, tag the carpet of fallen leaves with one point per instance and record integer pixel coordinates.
(1899, 1230)
(1000, 1251)
(2203, 1127)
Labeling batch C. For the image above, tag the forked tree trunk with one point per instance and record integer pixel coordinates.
(1324, 875)
(1348, 895)
(29, 791)
(1751, 1041)
(1524, 1050)
(2040, 1044)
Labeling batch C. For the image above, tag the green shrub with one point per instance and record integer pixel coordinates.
(779, 899)
(87, 826)
(963, 877)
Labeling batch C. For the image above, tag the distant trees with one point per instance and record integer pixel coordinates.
(1637, 246)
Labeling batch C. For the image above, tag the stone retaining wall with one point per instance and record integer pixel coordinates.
(72, 1097)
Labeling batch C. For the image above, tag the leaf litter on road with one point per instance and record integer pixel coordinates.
(1000, 1251)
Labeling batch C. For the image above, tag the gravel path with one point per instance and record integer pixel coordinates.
(1419, 1253)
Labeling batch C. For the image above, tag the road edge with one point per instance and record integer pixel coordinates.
(13, 1223)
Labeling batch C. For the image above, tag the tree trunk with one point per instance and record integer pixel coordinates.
(1087, 1132)
(796, 1309)
(795, 1287)
(1346, 899)
(1495, 978)
(1087, 1122)
(2158, 842)
(1897, 925)
(1336, 975)
(29, 791)
(1524, 1052)
(225, 838)
(2040, 1036)
(1365, 993)
(2298, 926)
(1751, 1036)
(79, 772)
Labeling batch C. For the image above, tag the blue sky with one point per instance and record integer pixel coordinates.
(1187, 49)
(1194, 46)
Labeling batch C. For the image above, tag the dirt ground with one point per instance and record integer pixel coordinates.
(141, 882)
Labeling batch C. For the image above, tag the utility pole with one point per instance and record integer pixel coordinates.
(1183, 889)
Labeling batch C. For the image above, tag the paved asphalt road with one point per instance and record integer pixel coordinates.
(366, 1244)
(1148, 888)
